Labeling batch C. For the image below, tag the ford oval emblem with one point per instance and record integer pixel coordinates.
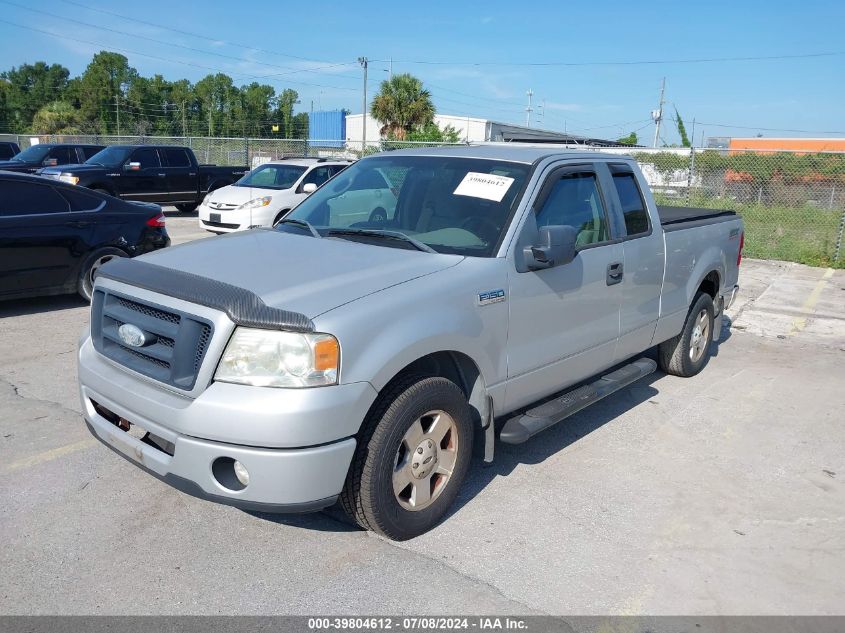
(132, 335)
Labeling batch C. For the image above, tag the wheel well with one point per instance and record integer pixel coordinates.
(461, 370)
(710, 284)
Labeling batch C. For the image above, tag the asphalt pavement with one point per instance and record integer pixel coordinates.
(720, 494)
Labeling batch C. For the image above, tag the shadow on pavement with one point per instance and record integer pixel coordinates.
(38, 305)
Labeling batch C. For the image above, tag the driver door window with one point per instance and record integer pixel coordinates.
(575, 201)
(317, 176)
(148, 158)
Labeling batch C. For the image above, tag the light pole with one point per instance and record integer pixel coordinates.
(363, 62)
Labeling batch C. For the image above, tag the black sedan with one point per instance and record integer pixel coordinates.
(54, 236)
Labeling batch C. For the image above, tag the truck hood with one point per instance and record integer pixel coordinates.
(15, 165)
(301, 273)
(73, 169)
(240, 195)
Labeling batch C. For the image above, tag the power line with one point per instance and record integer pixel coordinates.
(767, 129)
(703, 60)
(289, 69)
(165, 59)
(190, 34)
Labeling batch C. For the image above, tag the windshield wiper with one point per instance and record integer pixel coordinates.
(392, 235)
(303, 224)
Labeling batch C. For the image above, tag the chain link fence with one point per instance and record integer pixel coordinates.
(792, 203)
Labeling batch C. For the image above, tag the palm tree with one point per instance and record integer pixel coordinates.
(402, 105)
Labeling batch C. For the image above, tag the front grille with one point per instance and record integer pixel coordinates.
(220, 225)
(222, 206)
(177, 341)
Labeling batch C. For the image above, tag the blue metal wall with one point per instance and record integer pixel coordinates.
(327, 129)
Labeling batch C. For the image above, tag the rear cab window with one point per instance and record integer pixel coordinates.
(176, 157)
(634, 210)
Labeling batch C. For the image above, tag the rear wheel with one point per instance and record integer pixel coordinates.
(85, 283)
(412, 458)
(187, 207)
(686, 354)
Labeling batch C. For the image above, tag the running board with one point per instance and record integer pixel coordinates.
(522, 427)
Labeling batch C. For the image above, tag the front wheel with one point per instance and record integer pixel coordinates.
(85, 283)
(686, 354)
(412, 458)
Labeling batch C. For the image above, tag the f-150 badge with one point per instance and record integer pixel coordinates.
(491, 296)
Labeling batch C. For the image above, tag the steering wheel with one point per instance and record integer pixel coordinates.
(481, 223)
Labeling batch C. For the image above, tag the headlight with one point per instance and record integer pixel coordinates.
(256, 203)
(269, 358)
(207, 198)
(68, 178)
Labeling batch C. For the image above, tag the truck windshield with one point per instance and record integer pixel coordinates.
(34, 154)
(110, 157)
(451, 204)
(272, 177)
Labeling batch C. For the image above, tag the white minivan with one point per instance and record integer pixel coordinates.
(265, 194)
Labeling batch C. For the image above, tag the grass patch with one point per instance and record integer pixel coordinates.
(805, 234)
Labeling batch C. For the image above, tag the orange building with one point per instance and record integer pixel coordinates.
(798, 145)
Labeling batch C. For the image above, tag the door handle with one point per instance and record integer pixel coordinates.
(192, 174)
(78, 224)
(615, 273)
(162, 175)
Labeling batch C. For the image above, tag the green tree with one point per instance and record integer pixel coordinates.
(102, 88)
(284, 114)
(631, 139)
(29, 88)
(59, 117)
(217, 97)
(255, 108)
(402, 105)
(682, 130)
(432, 133)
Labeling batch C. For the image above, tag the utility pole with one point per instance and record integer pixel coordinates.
(184, 121)
(528, 109)
(657, 115)
(390, 72)
(363, 62)
(117, 106)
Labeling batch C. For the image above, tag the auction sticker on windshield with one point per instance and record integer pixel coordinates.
(487, 186)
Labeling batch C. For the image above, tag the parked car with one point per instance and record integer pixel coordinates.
(48, 155)
(163, 174)
(264, 195)
(319, 362)
(54, 237)
(8, 149)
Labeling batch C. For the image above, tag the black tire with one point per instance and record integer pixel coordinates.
(188, 207)
(368, 497)
(688, 353)
(85, 282)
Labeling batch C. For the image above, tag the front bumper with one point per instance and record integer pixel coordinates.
(235, 219)
(234, 425)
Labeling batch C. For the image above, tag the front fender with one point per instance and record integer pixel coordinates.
(384, 333)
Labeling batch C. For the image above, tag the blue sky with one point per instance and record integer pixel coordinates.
(313, 46)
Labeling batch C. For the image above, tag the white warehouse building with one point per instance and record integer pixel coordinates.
(473, 130)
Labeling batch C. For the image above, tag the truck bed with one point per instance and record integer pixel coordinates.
(677, 218)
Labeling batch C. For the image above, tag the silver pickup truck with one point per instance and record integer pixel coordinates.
(358, 359)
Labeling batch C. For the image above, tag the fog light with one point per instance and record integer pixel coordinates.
(241, 473)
